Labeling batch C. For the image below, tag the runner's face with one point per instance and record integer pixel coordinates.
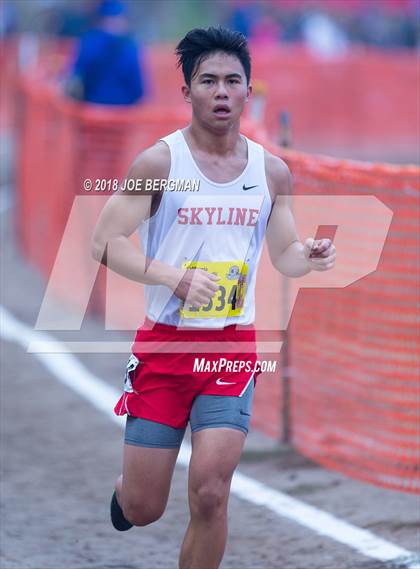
(218, 91)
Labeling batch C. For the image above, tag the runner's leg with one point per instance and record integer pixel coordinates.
(215, 455)
(150, 453)
(143, 488)
(219, 425)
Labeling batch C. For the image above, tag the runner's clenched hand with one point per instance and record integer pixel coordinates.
(320, 254)
(197, 287)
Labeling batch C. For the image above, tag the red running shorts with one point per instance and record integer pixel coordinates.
(161, 384)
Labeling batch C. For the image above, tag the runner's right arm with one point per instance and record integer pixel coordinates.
(120, 218)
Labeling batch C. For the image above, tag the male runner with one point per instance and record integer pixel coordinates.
(199, 259)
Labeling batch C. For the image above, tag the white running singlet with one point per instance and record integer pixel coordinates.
(217, 227)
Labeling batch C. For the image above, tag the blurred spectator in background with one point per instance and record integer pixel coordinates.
(242, 16)
(75, 18)
(255, 20)
(328, 27)
(7, 18)
(108, 69)
(387, 26)
(323, 36)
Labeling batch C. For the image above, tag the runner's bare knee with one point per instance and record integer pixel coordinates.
(208, 499)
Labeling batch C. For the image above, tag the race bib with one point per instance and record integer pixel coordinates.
(229, 299)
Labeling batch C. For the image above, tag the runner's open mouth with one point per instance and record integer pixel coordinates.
(222, 110)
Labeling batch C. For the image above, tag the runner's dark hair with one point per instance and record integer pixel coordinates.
(199, 43)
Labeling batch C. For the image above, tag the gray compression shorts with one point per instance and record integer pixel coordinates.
(207, 412)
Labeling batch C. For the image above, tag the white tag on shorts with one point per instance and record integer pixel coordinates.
(132, 363)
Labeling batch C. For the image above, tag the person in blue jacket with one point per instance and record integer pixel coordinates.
(108, 69)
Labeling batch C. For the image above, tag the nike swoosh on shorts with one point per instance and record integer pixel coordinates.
(220, 382)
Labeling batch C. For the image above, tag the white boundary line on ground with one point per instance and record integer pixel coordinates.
(72, 373)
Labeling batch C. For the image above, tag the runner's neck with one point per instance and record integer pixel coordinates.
(228, 144)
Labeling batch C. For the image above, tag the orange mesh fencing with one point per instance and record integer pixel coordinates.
(354, 383)
(355, 351)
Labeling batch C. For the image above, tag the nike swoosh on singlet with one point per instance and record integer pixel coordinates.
(220, 382)
(249, 187)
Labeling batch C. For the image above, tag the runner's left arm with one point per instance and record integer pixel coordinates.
(287, 253)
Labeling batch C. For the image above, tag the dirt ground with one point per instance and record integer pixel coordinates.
(60, 457)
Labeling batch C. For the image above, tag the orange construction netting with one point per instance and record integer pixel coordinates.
(354, 351)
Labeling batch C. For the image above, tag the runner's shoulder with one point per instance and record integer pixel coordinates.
(153, 163)
(278, 175)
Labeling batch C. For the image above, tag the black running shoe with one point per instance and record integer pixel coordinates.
(117, 517)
